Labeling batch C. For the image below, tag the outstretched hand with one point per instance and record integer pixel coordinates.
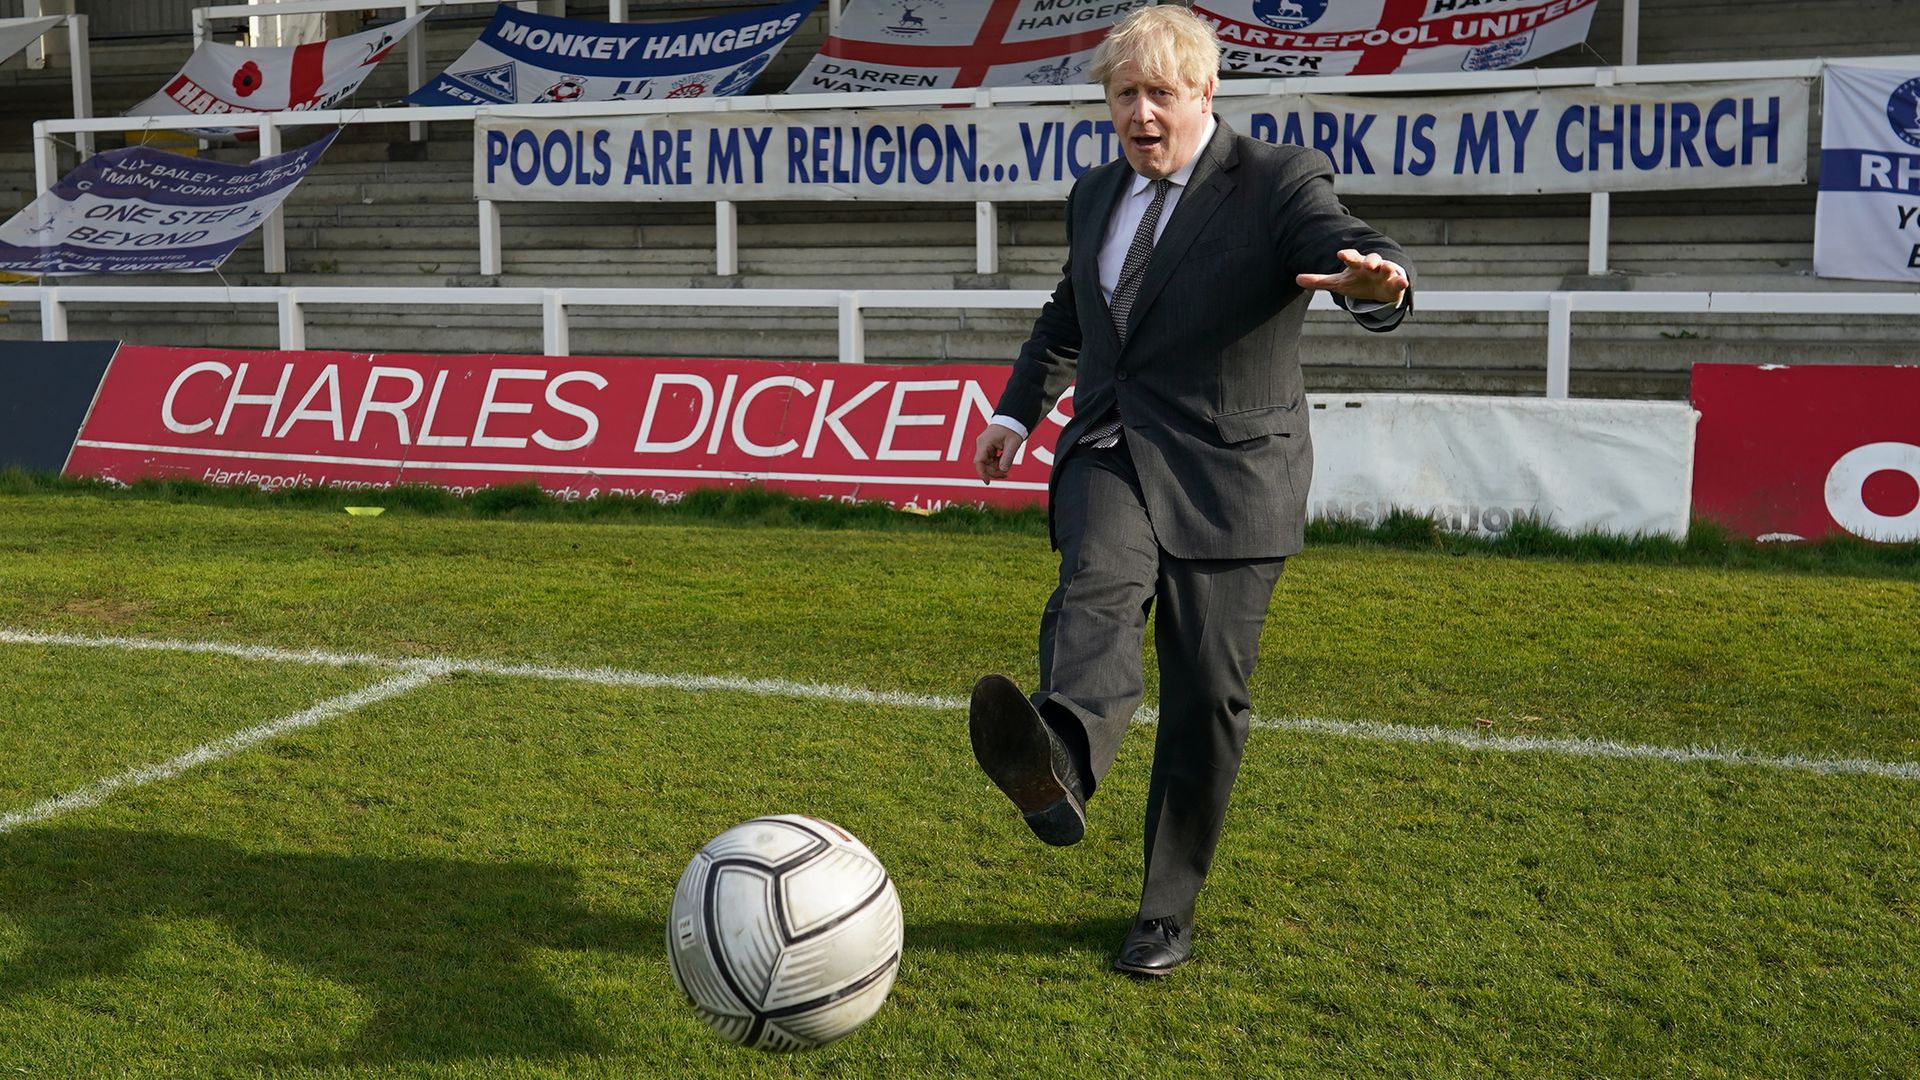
(1365, 277)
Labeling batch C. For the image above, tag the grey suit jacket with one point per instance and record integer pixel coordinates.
(1208, 382)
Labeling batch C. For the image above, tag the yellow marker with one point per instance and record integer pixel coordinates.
(366, 511)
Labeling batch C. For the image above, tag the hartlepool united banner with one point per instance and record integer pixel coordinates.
(524, 57)
(1867, 219)
(139, 210)
(231, 79)
(948, 44)
(1577, 139)
(1382, 37)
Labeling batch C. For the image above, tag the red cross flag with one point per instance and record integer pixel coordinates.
(221, 79)
(948, 44)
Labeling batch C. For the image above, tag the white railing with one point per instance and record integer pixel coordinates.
(79, 59)
(726, 254)
(851, 305)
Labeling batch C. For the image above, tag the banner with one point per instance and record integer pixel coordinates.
(577, 426)
(948, 44)
(16, 34)
(1867, 219)
(586, 426)
(1807, 452)
(1385, 37)
(523, 57)
(139, 210)
(1574, 140)
(1478, 464)
(220, 79)
(46, 388)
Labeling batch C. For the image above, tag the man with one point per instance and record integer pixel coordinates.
(1182, 479)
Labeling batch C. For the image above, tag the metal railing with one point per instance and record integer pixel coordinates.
(80, 59)
(292, 303)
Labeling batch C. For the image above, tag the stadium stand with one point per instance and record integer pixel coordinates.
(388, 212)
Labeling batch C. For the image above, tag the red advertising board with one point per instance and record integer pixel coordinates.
(576, 426)
(1806, 452)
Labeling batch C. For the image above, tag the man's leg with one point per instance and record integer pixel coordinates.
(1094, 624)
(1046, 752)
(1207, 636)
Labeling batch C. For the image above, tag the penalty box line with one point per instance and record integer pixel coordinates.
(414, 677)
(416, 673)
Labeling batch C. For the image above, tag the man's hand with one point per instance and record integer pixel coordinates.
(1366, 277)
(993, 452)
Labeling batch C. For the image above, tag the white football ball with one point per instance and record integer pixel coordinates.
(785, 933)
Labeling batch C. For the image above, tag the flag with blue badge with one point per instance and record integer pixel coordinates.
(524, 58)
(1867, 219)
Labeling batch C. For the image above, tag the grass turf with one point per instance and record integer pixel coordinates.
(472, 880)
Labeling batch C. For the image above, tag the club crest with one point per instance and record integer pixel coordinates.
(1498, 54)
(1289, 14)
(497, 83)
(910, 19)
(1903, 111)
(741, 77)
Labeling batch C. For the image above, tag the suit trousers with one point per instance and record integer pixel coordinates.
(1206, 638)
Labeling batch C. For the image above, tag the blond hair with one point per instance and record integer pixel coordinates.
(1165, 43)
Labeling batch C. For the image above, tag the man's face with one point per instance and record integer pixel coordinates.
(1159, 121)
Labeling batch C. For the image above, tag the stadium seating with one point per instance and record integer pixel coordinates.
(384, 211)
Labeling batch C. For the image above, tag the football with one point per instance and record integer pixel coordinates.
(785, 933)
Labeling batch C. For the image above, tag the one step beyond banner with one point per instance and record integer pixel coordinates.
(140, 210)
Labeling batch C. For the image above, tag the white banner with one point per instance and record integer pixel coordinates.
(231, 79)
(1478, 464)
(16, 33)
(1382, 37)
(947, 44)
(1867, 221)
(1574, 140)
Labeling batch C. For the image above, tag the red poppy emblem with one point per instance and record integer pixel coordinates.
(247, 79)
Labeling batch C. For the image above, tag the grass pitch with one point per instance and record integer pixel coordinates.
(472, 878)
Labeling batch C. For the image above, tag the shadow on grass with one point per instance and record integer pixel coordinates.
(436, 949)
(1024, 938)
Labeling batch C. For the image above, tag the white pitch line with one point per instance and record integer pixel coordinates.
(97, 792)
(215, 648)
(1362, 730)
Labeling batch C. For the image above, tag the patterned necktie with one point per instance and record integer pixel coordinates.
(1107, 433)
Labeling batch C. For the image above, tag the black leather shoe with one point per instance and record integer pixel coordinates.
(1154, 947)
(1023, 756)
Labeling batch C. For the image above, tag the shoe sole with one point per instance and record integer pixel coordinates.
(1147, 972)
(1012, 748)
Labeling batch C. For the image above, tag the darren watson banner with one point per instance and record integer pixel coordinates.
(1867, 219)
(1579, 139)
(525, 58)
(1383, 37)
(219, 79)
(139, 210)
(948, 44)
